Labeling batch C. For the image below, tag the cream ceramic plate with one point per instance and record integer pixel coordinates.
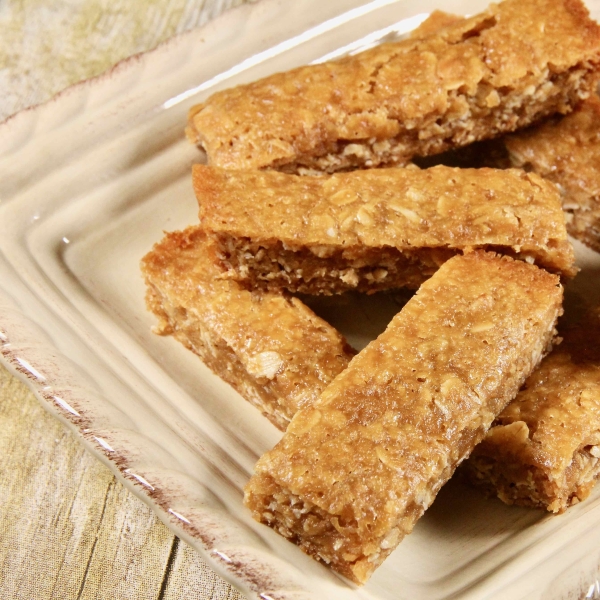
(88, 183)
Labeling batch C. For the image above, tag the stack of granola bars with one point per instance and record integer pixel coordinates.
(337, 177)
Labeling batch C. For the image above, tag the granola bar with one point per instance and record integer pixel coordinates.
(437, 20)
(544, 448)
(374, 229)
(354, 472)
(503, 69)
(272, 349)
(567, 152)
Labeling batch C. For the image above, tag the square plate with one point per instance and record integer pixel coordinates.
(89, 182)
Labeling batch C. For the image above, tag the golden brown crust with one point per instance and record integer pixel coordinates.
(544, 448)
(567, 152)
(352, 474)
(374, 229)
(498, 71)
(273, 349)
(437, 20)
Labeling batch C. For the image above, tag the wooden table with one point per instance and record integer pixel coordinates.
(68, 530)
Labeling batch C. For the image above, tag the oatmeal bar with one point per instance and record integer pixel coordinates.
(503, 69)
(437, 20)
(272, 349)
(374, 229)
(544, 448)
(354, 472)
(567, 152)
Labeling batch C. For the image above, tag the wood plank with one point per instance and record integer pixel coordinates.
(131, 553)
(51, 503)
(63, 512)
(87, 38)
(192, 579)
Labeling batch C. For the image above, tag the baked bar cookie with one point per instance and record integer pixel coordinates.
(354, 472)
(374, 229)
(567, 152)
(503, 69)
(544, 448)
(437, 20)
(272, 349)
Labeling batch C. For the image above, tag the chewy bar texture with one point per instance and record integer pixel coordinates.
(354, 472)
(513, 64)
(272, 349)
(567, 152)
(544, 448)
(374, 229)
(437, 20)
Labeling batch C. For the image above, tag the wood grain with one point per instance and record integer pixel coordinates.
(68, 529)
(48, 46)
